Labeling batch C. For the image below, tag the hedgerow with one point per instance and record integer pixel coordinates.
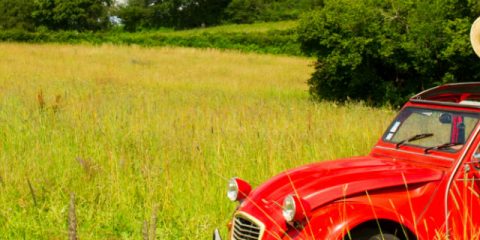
(272, 42)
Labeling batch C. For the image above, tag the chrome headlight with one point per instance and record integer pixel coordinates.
(238, 189)
(232, 191)
(295, 209)
(289, 208)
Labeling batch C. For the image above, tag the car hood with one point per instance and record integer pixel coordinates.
(322, 183)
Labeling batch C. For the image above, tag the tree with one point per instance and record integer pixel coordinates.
(138, 14)
(135, 17)
(16, 14)
(78, 15)
(146, 14)
(196, 13)
(383, 51)
(244, 11)
(249, 11)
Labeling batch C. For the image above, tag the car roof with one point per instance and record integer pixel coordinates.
(453, 94)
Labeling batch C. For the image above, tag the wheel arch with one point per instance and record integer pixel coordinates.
(384, 225)
(362, 216)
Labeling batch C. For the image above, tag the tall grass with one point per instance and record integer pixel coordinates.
(144, 139)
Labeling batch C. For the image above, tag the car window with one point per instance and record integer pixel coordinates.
(440, 127)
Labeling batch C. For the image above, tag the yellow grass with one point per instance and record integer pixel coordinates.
(139, 134)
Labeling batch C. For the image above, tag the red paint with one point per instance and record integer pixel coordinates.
(244, 189)
(405, 185)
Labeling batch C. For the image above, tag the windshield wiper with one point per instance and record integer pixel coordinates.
(442, 146)
(414, 138)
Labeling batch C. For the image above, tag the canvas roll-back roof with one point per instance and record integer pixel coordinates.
(458, 94)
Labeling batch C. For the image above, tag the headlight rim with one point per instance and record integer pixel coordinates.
(232, 194)
(302, 209)
(240, 191)
(288, 216)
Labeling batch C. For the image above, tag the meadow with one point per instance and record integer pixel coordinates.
(147, 138)
(272, 37)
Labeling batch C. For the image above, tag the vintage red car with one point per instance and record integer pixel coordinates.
(420, 181)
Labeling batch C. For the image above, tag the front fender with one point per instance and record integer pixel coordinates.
(336, 220)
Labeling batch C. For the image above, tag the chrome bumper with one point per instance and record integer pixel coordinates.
(216, 235)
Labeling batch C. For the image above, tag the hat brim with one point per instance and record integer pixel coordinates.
(475, 36)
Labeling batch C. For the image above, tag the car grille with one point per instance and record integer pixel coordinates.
(244, 229)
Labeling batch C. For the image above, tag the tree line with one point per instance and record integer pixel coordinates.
(96, 15)
(55, 15)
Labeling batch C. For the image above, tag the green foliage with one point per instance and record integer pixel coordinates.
(135, 17)
(77, 15)
(180, 14)
(198, 13)
(384, 51)
(273, 38)
(249, 11)
(140, 15)
(274, 42)
(16, 14)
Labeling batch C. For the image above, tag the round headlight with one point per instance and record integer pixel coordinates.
(289, 208)
(238, 189)
(232, 191)
(295, 209)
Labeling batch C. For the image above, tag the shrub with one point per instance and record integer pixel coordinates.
(384, 51)
(249, 11)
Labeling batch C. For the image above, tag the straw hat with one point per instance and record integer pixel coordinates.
(475, 36)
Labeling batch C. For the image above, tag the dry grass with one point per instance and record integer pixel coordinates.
(138, 134)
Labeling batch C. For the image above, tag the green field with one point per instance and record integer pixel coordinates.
(245, 28)
(271, 38)
(151, 135)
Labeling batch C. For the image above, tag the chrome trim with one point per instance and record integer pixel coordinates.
(452, 178)
(247, 217)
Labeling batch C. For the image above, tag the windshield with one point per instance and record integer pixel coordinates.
(432, 129)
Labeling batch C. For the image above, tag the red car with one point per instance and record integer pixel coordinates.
(420, 181)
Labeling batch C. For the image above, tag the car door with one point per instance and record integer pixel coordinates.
(464, 198)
